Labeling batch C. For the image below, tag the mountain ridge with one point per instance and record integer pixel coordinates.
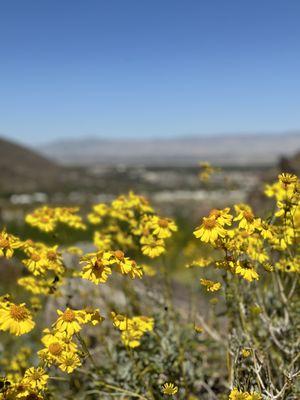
(230, 149)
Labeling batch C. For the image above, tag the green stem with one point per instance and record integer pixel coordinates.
(125, 391)
(85, 349)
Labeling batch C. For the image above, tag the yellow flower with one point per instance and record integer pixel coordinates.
(41, 258)
(141, 323)
(247, 272)
(102, 241)
(200, 262)
(198, 328)
(211, 286)
(19, 390)
(8, 243)
(245, 353)
(55, 345)
(36, 378)
(290, 265)
(162, 227)
(68, 362)
(36, 286)
(132, 328)
(56, 337)
(69, 321)
(287, 179)
(131, 338)
(93, 316)
(169, 389)
(246, 218)
(42, 218)
(122, 262)
(235, 394)
(266, 230)
(222, 216)
(99, 211)
(51, 353)
(125, 265)
(255, 310)
(97, 267)
(15, 318)
(152, 247)
(68, 216)
(207, 170)
(46, 218)
(120, 321)
(210, 230)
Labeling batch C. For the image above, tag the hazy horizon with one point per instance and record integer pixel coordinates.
(64, 138)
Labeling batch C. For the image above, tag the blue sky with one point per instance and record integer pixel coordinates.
(125, 68)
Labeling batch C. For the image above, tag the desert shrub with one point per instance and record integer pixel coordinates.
(105, 320)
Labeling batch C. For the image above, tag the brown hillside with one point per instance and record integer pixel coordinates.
(24, 170)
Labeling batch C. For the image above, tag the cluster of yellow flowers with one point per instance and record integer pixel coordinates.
(44, 263)
(130, 222)
(211, 286)
(47, 218)
(132, 329)
(249, 245)
(206, 171)
(98, 266)
(30, 387)
(245, 239)
(60, 347)
(41, 259)
(236, 394)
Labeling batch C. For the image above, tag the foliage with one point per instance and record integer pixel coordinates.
(108, 322)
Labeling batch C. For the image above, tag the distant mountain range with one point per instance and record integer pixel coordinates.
(239, 150)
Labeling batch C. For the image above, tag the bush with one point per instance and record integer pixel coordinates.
(109, 322)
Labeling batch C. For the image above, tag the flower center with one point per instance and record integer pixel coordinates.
(119, 254)
(98, 266)
(55, 348)
(245, 234)
(163, 223)
(68, 316)
(35, 257)
(18, 313)
(4, 243)
(215, 213)
(248, 216)
(36, 376)
(209, 223)
(69, 362)
(51, 255)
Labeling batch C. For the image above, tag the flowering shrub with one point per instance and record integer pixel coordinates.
(80, 322)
